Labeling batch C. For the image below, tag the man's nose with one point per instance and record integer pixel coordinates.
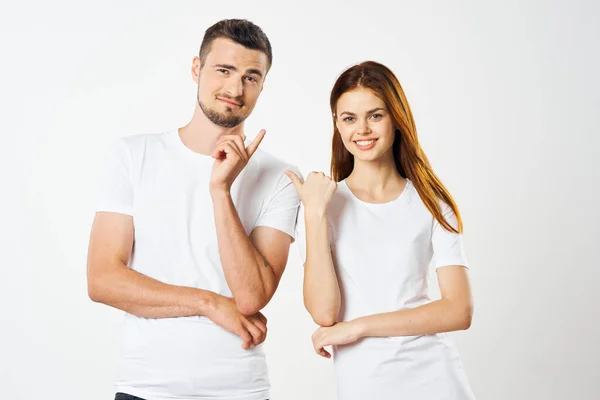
(235, 87)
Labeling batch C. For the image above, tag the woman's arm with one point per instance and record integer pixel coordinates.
(321, 288)
(452, 312)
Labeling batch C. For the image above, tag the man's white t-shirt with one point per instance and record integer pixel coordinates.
(382, 255)
(164, 185)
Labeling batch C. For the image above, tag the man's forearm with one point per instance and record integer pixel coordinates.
(137, 294)
(248, 274)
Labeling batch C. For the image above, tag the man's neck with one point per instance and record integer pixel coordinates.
(200, 134)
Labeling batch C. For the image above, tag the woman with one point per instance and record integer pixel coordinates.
(369, 243)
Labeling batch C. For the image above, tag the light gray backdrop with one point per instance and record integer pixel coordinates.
(505, 96)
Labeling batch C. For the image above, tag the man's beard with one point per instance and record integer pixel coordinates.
(221, 119)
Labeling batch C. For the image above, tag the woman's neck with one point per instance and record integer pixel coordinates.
(376, 181)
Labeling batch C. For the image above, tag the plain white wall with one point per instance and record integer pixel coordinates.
(505, 96)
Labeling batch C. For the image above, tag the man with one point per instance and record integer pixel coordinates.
(192, 236)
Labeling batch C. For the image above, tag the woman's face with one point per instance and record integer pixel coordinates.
(365, 124)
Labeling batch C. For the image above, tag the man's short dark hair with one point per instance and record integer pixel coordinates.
(240, 31)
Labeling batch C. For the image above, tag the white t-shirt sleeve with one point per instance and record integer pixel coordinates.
(447, 246)
(115, 192)
(281, 209)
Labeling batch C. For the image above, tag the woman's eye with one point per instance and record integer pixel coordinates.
(376, 116)
(348, 119)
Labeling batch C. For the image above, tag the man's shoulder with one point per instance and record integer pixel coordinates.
(266, 173)
(267, 162)
(140, 141)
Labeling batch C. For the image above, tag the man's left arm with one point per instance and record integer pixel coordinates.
(254, 265)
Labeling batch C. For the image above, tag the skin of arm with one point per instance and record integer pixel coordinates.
(252, 265)
(322, 297)
(321, 290)
(112, 282)
(454, 311)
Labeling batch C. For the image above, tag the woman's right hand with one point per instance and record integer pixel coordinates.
(315, 192)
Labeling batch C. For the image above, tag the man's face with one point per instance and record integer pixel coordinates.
(230, 82)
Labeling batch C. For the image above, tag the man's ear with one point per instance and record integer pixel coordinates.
(196, 69)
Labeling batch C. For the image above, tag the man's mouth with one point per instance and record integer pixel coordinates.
(229, 102)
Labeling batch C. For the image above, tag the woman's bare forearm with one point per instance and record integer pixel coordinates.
(321, 289)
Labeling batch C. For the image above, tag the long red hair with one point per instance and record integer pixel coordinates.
(411, 161)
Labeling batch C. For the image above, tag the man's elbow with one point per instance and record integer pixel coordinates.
(95, 292)
(96, 287)
(251, 300)
(465, 317)
(250, 305)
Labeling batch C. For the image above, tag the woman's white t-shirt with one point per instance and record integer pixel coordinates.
(382, 254)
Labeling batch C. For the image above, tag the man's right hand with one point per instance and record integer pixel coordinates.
(252, 330)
